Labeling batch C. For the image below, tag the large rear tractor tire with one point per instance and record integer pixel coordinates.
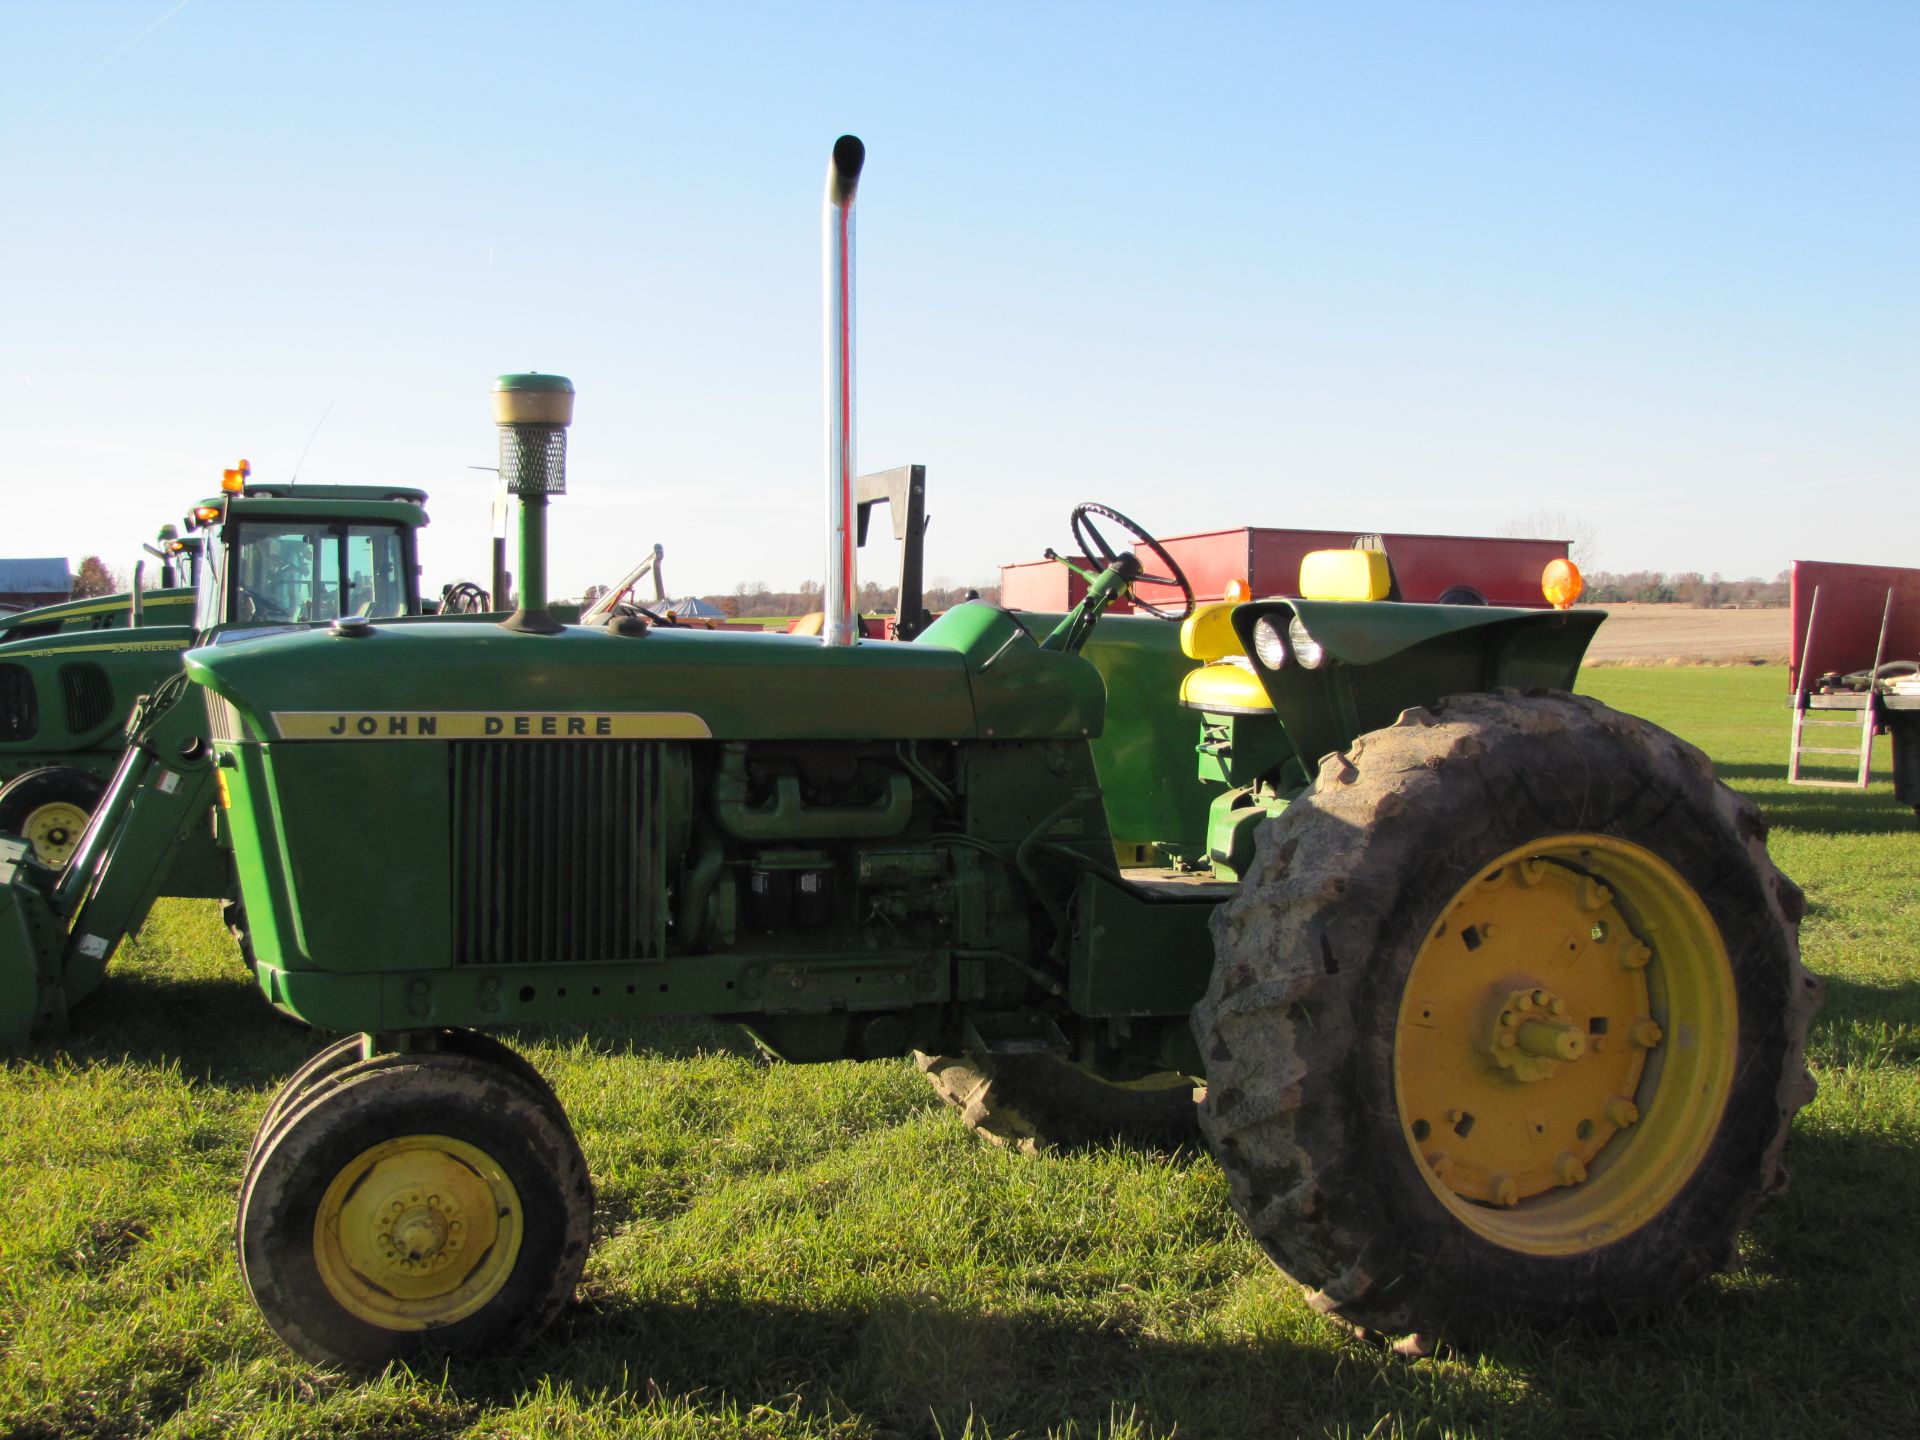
(1507, 1023)
(49, 809)
(416, 1205)
(1041, 1101)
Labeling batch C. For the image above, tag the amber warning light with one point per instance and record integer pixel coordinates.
(1560, 582)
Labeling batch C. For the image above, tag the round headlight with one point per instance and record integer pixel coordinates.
(1306, 649)
(1268, 645)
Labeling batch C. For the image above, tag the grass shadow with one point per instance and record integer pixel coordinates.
(1827, 812)
(217, 1029)
(909, 1365)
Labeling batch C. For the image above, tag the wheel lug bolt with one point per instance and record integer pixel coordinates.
(1568, 1170)
(1439, 1162)
(1635, 956)
(1646, 1034)
(1541, 997)
(1622, 1113)
(1505, 1191)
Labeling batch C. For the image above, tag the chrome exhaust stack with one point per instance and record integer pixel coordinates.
(841, 622)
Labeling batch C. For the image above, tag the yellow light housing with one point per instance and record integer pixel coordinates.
(1560, 582)
(206, 514)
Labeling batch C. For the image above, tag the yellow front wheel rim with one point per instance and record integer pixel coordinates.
(418, 1231)
(1565, 1044)
(54, 830)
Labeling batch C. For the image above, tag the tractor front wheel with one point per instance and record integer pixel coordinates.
(1042, 1101)
(418, 1204)
(49, 808)
(1507, 1022)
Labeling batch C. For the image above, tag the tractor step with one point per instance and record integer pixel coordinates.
(1014, 1032)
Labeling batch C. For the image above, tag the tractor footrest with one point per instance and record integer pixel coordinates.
(1013, 1032)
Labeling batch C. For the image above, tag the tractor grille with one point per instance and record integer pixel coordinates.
(88, 694)
(223, 721)
(557, 852)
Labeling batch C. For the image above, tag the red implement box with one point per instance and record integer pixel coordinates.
(1846, 632)
(1864, 621)
(1477, 569)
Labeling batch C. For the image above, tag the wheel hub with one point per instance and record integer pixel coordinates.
(1531, 1040)
(1532, 1035)
(54, 831)
(418, 1231)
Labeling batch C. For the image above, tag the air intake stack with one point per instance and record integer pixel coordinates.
(840, 625)
(533, 412)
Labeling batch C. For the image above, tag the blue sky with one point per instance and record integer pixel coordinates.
(1430, 267)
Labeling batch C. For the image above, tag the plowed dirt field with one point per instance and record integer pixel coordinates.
(1682, 635)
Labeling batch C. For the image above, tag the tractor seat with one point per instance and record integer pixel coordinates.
(1225, 684)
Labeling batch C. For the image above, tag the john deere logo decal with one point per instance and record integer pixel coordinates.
(488, 725)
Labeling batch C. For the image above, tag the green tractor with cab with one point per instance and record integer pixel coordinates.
(1486, 998)
(76, 717)
(70, 675)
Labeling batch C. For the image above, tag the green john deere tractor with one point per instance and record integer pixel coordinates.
(1486, 998)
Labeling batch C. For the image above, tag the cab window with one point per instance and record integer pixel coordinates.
(296, 572)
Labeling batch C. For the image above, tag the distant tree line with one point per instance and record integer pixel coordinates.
(751, 599)
(1704, 592)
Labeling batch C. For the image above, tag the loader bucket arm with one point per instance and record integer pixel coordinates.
(59, 929)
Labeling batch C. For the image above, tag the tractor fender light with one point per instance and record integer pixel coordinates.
(206, 514)
(1307, 650)
(1238, 592)
(1268, 644)
(1560, 582)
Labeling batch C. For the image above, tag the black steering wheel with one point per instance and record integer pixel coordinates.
(634, 610)
(1094, 546)
(464, 597)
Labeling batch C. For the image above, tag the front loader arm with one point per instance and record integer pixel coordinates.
(58, 929)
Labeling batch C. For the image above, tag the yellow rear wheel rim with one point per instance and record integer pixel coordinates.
(54, 830)
(1565, 1044)
(416, 1232)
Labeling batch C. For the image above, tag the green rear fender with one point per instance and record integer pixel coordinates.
(1385, 657)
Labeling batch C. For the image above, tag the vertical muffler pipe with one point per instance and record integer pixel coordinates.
(841, 624)
(533, 413)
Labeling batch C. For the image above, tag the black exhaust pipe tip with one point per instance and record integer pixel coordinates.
(843, 176)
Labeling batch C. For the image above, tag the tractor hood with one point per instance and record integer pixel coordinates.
(448, 680)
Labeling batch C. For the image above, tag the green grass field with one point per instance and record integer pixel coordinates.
(824, 1251)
